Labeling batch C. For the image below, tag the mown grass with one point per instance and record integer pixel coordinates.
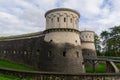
(100, 68)
(118, 65)
(10, 77)
(12, 65)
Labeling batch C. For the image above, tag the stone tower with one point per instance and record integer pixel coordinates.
(63, 52)
(88, 47)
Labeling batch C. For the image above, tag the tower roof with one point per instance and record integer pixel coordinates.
(62, 9)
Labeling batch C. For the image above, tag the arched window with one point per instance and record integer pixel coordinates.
(37, 52)
(89, 36)
(57, 19)
(76, 41)
(64, 19)
(51, 40)
(82, 63)
(49, 53)
(64, 53)
(71, 20)
(77, 53)
(52, 20)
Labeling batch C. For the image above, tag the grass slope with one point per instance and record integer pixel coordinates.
(101, 68)
(8, 77)
(8, 64)
(118, 65)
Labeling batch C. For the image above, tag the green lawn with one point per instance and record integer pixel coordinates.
(101, 68)
(8, 64)
(118, 65)
(8, 77)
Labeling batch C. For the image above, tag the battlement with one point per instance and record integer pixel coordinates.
(62, 18)
(87, 36)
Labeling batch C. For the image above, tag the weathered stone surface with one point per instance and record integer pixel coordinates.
(65, 58)
(89, 54)
(57, 49)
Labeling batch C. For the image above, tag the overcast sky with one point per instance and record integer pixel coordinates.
(26, 16)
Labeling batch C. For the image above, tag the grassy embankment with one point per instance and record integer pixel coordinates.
(11, 65)
(118, 65)
(9, 77)
(101, 68)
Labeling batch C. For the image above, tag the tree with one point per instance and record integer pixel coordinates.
(111, 41)
(97, 44)
(105, 35)
(115, 38)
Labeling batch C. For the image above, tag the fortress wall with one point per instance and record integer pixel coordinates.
(58, 50)
(45, 56)
(87, 36)
(63, 18)
(59, 57)
(88, 45)
(63, 37)
(24, 51)
(63, 52)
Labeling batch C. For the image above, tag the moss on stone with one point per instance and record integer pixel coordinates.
(20, 36)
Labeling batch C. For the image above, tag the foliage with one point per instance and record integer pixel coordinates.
(97, 44)
(111, 41)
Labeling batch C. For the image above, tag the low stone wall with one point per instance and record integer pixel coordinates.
(89, 54)
(36, 75)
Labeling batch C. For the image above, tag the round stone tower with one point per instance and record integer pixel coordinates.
(88, 47)
(63, 52)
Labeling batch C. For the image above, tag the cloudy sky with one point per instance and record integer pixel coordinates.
(26, 16)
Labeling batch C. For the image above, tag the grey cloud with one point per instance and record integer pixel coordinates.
(25, 16)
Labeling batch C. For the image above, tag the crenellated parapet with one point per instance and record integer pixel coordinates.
(87, 39)
(87, 36)
(62, 18)
(61, 30)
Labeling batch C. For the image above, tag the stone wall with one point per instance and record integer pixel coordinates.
(63, 36)
(62, 18)
(45, 56)
(25, 50)
(88, 46)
